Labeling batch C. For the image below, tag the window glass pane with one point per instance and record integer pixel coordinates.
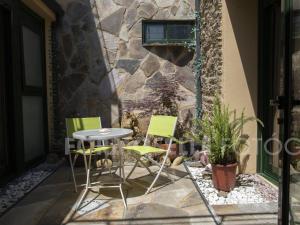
(179, 31)
(155, 32)
(32, 58)
(33, 127)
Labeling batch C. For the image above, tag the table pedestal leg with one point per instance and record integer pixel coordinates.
(121, 155)
(122, 172)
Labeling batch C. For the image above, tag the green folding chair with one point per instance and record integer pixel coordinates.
(77, 124)
(160, 126)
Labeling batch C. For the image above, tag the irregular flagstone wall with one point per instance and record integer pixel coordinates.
(105, 70)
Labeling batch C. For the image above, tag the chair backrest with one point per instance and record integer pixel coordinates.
(162, 126)
(76, 124)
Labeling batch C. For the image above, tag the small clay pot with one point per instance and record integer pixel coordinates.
(174, 151)
(224, 177)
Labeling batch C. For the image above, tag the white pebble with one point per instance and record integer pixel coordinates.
(244, 194)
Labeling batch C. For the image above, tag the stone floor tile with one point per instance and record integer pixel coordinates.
(170, 197)
(59, 209)
(262, 219)
(197, 210)
(245, 208)
(29, 214)
(154, 210)
(193, 198)
(54, 201)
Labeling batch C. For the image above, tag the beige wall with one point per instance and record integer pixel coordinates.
(239, 82)
(44, 12)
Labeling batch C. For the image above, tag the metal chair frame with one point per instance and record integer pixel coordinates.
(160, 165)
(69, 152)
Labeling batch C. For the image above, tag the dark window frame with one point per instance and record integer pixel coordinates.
(166, 24)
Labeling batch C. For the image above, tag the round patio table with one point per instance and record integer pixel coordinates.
(103, 134)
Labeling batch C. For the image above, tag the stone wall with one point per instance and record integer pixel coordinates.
(211, 51)
(105, 70)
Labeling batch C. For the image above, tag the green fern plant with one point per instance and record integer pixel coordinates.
(222, 133)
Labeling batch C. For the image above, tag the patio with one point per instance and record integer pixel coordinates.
(53, 202)
(179, 199)
(125, 61)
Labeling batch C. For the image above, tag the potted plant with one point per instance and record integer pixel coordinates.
(222, 133)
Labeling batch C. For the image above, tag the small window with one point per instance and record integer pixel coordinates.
(167, 32)
(155, 32)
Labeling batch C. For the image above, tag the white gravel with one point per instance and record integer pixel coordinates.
(249, 189)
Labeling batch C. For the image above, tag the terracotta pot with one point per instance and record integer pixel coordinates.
(174, 151)
(224, 177)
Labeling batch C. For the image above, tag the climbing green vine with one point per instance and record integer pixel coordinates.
(194, 45)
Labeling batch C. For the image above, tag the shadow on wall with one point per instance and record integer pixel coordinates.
(243, 17)
(86, 85)
(178, 55)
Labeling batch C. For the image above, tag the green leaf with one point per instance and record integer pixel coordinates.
(222, 132)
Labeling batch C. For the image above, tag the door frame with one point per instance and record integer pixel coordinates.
(15, 8)
(263, 101)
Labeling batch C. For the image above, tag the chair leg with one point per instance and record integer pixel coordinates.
(147, 167)
(157, 175)
(159, 165)
(81, 198)
(75, 158)
(135, 165)
(123, 198)
(121, 159)
(89, 165)
(106, 161)
(72, 170)
(85, 164)
(169, 177)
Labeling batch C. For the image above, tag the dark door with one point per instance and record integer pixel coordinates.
(281, 65)
(5, 151)
(293, 146)
(33, 92)
(271, 87)
(275, 92)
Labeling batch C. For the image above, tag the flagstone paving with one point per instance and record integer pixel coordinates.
(54, 202)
